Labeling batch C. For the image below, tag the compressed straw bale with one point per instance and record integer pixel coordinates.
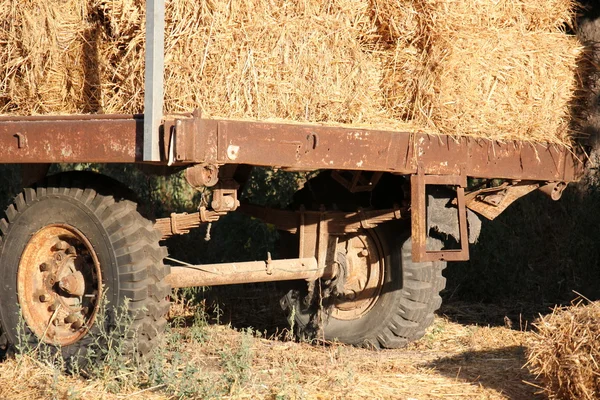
(42, 56)
(495, 69)
(255, 59)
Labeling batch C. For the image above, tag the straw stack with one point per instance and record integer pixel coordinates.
(501, 69)
(41, 56)
(565, 352)
(252, 59)
(488, 68)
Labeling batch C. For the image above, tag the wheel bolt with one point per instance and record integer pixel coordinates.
(70, 318)
(61, 245)
(45, 267)
(364, 252)
(54, 306)
(56, 322)
(77, 324)
(44, 298)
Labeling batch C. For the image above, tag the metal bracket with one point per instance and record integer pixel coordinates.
(419, 184)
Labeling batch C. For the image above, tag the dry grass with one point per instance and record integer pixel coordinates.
(565, 352)
(497, 69)
(452, 360)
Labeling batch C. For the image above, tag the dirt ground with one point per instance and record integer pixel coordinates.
(202, 360)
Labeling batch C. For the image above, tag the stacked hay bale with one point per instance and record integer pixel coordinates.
(488, 68)
(565, 352)
(41, 56)
(254, 59)
(496, 69)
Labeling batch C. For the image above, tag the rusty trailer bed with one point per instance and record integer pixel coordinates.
(190, 139)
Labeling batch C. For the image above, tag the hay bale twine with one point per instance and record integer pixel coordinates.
(565, 352)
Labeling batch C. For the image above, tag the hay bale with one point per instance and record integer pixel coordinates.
(486, 68)
(565, 352)
(42, 56)
(499, 70)
(502, 85)
(257, 59)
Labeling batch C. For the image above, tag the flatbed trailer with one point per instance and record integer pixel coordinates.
(71, 240)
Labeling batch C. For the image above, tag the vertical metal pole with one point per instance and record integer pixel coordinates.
(154, 77)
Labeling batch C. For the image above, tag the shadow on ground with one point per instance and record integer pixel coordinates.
(488, 367)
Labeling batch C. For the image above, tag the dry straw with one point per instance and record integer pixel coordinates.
(254, 59)
(488, 68)
(501, 69)
(565, 352)
(41, 56)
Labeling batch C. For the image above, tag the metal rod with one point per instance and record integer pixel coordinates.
(244, 272)
(154, 77)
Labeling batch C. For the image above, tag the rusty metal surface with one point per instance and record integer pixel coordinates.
(59, 284)
(309, 147)
(244, 272)
(190, 139)
(103, 139)
(337, 222)
(491, 202)
(363, 276)
(181, 223)
(419, 226)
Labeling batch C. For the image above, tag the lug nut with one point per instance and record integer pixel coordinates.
(56, 322)
(54, 306)
(69, 319)
(45, 267)
(45, 298)
(77, 324)
(364, 252)
(61, 245)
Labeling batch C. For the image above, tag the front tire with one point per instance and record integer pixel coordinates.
(394, 304)
(68, 247)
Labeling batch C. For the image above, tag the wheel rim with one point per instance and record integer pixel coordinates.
(59, 284)
(364, 267)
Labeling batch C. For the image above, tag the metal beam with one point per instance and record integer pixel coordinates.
(154, 77)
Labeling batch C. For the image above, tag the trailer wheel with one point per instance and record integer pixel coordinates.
(67, 245)
(385, 300)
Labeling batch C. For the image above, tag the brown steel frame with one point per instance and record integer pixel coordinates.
(189, 139)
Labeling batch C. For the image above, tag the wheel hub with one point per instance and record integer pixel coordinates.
(59, 284)
(364, 273)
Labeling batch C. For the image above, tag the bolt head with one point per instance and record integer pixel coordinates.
(77, 324)
(61, 245)
(364, 252)
(54, 306)
(44, 267)
(69, 319)
(58, 257)
(45, 298)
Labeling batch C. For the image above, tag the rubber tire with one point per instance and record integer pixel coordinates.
(406, 305)
(126, 244)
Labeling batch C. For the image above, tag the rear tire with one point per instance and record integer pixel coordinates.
(91, 223)
(406, 299)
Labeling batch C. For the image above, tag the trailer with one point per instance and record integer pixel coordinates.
(372, 268)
